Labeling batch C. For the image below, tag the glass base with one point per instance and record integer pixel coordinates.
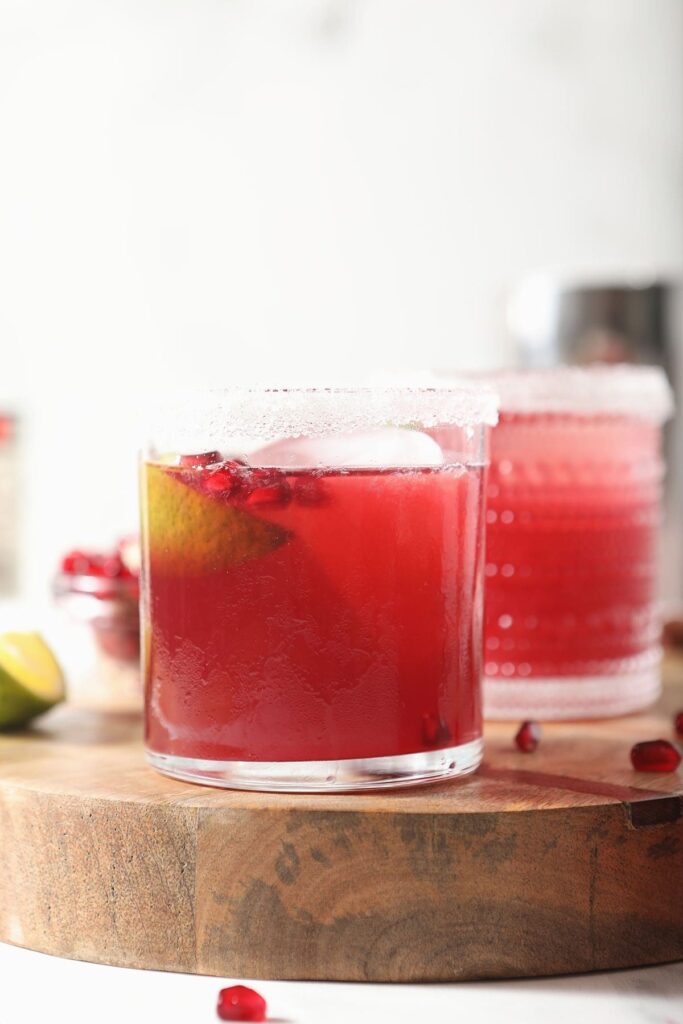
(567, 697)
(324, 776)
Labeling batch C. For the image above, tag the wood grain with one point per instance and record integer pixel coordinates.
(564, 860)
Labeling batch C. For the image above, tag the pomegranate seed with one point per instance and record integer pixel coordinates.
(96, 567)
(226, 479)
(310, 491)
(112, 567)
(655, 756)
(200, 460)
(274, 494)
(76, 563)
(528, 737)
(435, 732)
(678, 723)
(240, 1003)
(268, 487)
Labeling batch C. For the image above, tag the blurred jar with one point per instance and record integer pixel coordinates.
(99, 636)
(572, 625)
(559, 320)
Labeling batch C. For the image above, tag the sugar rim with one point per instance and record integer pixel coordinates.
(642, 392)
(270, 413)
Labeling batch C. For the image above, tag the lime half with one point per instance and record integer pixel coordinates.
(31, 680)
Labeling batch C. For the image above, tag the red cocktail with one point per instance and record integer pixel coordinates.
(313, 606)
(572, 622)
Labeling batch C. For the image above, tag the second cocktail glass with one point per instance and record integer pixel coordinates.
(572, 621)
(312, 588)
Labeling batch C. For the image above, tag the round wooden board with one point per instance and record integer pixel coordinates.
(561, 861)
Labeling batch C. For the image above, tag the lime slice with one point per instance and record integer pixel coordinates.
(192, 532)
(31, 680)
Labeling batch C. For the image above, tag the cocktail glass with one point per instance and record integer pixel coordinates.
(312, 586)
(572, 621)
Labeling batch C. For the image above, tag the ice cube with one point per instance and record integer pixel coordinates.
(383, 447)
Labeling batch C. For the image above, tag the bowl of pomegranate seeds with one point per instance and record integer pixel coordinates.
(98, 594)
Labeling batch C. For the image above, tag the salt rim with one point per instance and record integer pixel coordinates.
(268, 414)
(619, 389)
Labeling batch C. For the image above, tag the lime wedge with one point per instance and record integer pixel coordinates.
(31, 680)
(192, 532)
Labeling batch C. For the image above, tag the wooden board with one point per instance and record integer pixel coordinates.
(564, 860)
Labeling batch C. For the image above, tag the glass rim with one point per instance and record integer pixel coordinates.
(618, 389)
(270, 412)
(465, 388)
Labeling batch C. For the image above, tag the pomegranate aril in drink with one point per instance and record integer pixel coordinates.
(225, 480)
(268, 487)
(678, 723)
(655, 756)
(240, 1003)
(435, 732)
(202, 459)
(528, 737)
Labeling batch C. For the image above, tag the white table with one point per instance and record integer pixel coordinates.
(38, 989)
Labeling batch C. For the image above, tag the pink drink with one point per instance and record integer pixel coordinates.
(333, 643)
(572, 622)
(313, 626)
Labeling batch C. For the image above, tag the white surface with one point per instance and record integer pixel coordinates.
(36, 989)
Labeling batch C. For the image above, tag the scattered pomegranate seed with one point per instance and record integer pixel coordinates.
(528, 737)
(435, 732)
(310, 491)
(240, 1003)
(202, 459)
(112, 567)
(268, 487)
(76, 563)
(96, 567)
(655, 756)
(678, 723)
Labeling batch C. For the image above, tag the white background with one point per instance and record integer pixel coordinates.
(213, 190)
